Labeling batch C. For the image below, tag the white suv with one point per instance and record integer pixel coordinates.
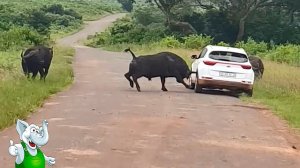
(220, 67)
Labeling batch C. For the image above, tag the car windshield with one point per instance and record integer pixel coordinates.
(228, 56)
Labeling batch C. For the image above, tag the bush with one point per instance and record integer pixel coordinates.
(253, 47)
(197, 41)
(101, 39)
(58, 9)
(54, 8)
(127, 4)
(39, 21)
(122, 26)
(222, 43)
(147, 15)
(170, 42)
(285, 54)
(154, 32)
(73, 13)
(65, 21)
(18, 37)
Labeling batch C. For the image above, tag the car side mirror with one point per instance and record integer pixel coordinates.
(194, 56)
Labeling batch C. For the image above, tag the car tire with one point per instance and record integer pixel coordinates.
(192, 85)
(249, 93)
(198, 88)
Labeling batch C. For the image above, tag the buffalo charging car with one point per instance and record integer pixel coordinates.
(219, 67)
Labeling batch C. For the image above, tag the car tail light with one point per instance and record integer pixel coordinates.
(246, 66)
(209, 62)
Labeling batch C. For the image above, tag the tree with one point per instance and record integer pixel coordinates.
(39, 21)
(292, 6)
(168, 7)
(127, 4)
(240, 10)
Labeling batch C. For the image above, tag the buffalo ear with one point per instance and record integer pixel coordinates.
(22, 54)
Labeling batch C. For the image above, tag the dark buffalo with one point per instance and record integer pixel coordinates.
(163, 65)
(257, 66)
(37, 60)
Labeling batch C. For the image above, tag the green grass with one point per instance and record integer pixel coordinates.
(20, 96)
(152, 49)
(279, 89)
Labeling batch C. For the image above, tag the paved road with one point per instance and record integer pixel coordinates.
(101, 122)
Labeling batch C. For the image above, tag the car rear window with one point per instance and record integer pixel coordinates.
(228, 56)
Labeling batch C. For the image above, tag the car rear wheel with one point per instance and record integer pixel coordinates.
(191, 84)
(198, 88)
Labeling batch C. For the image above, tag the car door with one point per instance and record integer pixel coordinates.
(196, 63)
(197, 60)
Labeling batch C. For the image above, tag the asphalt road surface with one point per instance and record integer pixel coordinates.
(101, 122)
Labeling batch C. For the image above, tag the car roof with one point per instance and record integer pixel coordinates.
(222, 48)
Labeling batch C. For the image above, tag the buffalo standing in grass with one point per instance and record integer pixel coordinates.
(37, 60)
(163, 65)
(257, 66)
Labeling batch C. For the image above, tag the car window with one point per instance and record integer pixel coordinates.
(228, 56)
(202, 54)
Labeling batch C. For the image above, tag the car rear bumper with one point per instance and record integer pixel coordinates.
(220, 84)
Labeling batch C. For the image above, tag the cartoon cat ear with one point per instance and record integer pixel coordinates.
(21, 126)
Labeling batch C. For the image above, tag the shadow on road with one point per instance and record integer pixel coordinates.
(188, 91)
(221, 93)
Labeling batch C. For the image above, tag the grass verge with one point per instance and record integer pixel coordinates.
(20, 96)
(280, 91)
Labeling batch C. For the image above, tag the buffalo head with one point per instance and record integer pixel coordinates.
(24, 66)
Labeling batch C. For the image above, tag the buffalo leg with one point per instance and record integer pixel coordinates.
(28, 75)
(127, 76)
(46, 72)
(42, 74)
(34, 73)
(135, 77)
(163, 81)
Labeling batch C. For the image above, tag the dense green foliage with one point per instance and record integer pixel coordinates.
(33, 22)
(277, 22)
(233, 21)
(34, 27)
(126, 32)
(127, 4)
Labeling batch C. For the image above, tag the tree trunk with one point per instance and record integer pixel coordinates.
(291, 15)
(241, 29)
